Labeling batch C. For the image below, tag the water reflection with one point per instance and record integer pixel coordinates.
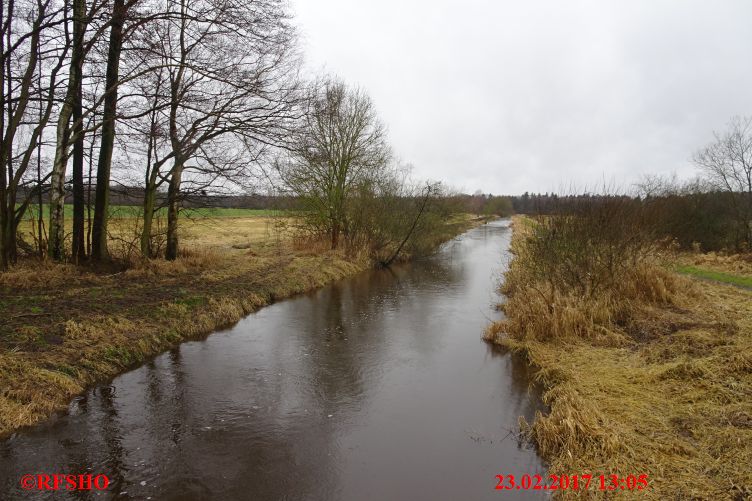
(377, 387)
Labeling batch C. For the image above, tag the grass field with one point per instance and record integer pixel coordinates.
(132, 211)
(733, 269)
(716, 276)
(220, 228)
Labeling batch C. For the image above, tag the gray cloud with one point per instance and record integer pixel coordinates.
(512, 96)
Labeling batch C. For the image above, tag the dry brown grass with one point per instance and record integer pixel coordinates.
(238, 233)
(653, 378)
(196, 232)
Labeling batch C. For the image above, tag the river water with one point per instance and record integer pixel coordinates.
(375, 387)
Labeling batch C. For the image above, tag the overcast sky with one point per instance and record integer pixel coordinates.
(513, 96)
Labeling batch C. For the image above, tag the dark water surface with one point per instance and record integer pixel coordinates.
(376, 387)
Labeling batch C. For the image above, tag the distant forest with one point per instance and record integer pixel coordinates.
(692, 217)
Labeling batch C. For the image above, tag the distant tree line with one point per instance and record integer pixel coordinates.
(483, 204)
(133, 196)
(691, 213)
(712, 211)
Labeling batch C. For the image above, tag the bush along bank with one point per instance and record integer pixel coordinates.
(644, 372)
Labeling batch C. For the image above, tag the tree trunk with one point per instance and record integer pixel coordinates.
(40, 215)
(173, 193)
(88, 194)
(391, 259)
(150, 193)
(40, 202)
(335, 234)
(5, 144)
(3, 225)
(149, 202)
(5, 217)
(56, 244)
(102, 197)
(11, 229)
(3, 153)
(78, 249)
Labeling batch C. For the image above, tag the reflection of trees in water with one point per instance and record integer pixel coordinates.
(86, 453)
(87, 441)
(170, 412)
(345, 325)
(176, 403)
(167, 410)
(246, 456)
(341, 327)
(111, 434)
(523, 389)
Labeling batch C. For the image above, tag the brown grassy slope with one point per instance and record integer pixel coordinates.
(656, 379)
(65, 328)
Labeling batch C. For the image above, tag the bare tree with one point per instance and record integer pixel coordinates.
(28, 43)
(80, 20)
(70, 128)
(728, 164)
(72, 98)
(231, 71)
(152, 178)
(341, 144)
(101, 200)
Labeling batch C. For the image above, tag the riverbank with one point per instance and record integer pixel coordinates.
(67, 328)
(655, 378)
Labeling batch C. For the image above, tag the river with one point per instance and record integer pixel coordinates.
(375, 387)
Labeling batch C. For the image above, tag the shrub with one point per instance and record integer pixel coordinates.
(589, 245)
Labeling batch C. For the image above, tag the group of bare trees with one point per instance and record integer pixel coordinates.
(183, 94)
(713, 210)
(710, 212)
(727, 165)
